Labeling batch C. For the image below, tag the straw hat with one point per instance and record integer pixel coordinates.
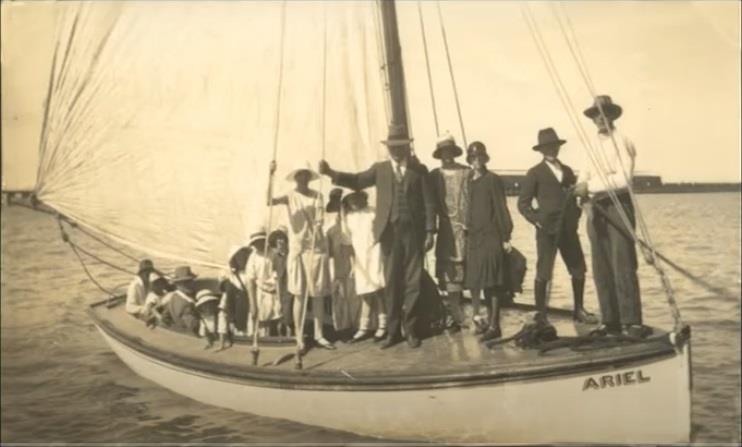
(204, 296)
(303, 166)
(446, 142)
(258, 235)
(610, 110)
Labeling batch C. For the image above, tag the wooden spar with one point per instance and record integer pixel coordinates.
(394, 67)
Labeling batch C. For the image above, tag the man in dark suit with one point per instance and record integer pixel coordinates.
(556, 219)
(404, 224)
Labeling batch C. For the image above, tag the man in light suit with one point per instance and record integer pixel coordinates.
(404, 224)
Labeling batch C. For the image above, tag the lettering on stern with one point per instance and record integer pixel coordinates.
(636, 377)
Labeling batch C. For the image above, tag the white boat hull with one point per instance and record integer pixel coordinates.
(646, 403)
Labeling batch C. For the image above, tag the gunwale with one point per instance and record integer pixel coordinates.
(332, 370)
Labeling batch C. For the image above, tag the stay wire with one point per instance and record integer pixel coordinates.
(450, 72)
(427, 66)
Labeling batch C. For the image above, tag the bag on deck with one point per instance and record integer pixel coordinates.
(431, 314)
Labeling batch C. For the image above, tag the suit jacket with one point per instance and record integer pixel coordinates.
(417, 188)
(553, 213)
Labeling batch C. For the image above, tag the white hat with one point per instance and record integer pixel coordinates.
(303, 166)
(204, 296)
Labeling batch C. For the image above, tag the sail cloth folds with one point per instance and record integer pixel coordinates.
(161, 115)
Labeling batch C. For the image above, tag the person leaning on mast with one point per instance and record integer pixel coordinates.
(556, 219)
(404, 224)
(308, 265)
(613, 254)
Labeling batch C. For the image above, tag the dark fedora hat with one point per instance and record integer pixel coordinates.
(604, 102)
(476, 149)
(547, 137)
(398, 136)
(333, 205)
(447, 142)
(183, 273)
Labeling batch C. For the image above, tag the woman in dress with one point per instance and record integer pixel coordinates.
(262, 286)
(489, 232)
(308, 267)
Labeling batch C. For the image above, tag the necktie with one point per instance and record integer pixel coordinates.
(398, 172)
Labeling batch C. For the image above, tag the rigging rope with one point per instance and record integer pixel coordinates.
(316, 224)
(427, 67)
(652, 258)
(450, 72)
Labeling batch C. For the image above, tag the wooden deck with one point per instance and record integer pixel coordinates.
(443, 360)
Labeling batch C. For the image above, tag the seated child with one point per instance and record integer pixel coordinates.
(368, 268)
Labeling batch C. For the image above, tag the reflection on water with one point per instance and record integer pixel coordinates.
(60, 382)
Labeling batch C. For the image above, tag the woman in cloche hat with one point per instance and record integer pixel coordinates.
(489, 232)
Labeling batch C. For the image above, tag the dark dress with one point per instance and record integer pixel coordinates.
(489, 226)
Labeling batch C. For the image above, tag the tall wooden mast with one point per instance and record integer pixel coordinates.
(394, 67)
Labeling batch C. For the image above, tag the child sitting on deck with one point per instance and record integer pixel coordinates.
(368, 269)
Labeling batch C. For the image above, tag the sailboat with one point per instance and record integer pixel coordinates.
(164, 151)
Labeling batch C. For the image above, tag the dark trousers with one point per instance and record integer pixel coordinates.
(614, 265)
(569, 247)
(402, 251)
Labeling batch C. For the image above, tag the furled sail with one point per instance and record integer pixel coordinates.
(161, 116)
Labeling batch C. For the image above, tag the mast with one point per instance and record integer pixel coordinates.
(394, 67)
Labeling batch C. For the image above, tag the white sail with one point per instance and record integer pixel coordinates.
(161, 115)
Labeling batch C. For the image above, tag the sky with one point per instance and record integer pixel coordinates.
(673, 67)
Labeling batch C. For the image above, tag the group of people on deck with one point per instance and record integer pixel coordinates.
(365, 273)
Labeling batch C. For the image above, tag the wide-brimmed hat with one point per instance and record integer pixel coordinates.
(280, 231)
(145, 265)
(333, 205)
(605, 103)
(446, 142)
(183, 273)
(360, 194)
(204, 296)
(477, 149)
(257, 235)
(238, 256)
(303, 166)
(397, 136)
(547, 137)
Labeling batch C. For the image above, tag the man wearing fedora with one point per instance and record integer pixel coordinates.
(450, 184)
(613, 254)
(556, 218)
(404, 224)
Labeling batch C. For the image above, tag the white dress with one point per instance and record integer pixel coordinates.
(304, 259)
(260, 269)
(368, 267)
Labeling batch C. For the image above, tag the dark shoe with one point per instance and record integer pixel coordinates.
(583, 316)
(390, 341)
(491, 334)
(413, 341)
(637, 330)
(605, 329)
(382, 337)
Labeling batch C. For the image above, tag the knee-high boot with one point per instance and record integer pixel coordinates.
(539, 290)
(579, 313)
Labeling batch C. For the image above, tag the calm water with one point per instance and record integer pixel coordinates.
(60, 382)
